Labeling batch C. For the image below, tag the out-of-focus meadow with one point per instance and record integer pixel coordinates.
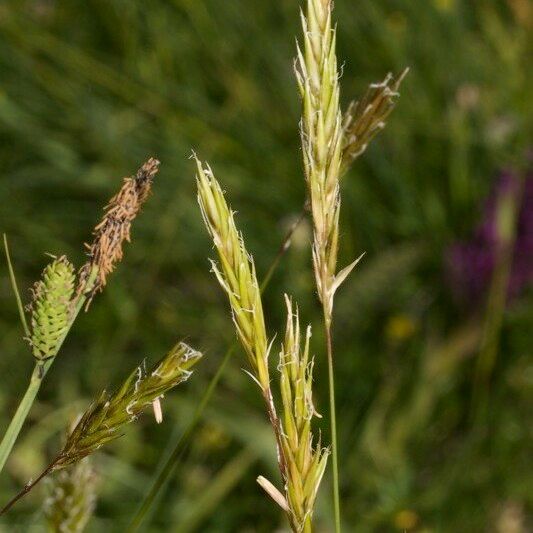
(433, 328)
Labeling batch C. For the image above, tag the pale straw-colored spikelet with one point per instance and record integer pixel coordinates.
(321, 133)
(238, 278)
(71, 498)
(236, 273)
(301, 465)
(109, 235)
(365, 118)
(306, 461)
(51, 308)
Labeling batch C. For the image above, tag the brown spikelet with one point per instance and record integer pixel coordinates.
(365, 118)
(114, 228)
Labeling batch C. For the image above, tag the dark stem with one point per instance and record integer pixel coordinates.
(285, 245)
(29, 486)
(276, 426)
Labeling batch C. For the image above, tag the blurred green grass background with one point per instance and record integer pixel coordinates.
(89, 90)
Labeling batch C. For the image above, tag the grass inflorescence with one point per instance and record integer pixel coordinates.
(55, 302)
(51, 308)
(330, 143)
(70, 498)
(301, 463)
(107, 416)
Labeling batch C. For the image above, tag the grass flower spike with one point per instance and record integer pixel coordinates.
(51, 308)
(238, 278)
(115, 226)
(365, 118)
(301, 465)
(306, 462)
(237, 274)
(329, 145)
(321, 132)
(107, 416)
(322, 146)
(104, 419)
(71, 498)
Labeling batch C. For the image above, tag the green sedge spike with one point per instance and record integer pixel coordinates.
(51, 308)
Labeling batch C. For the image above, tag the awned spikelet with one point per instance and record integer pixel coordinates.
(237, 276)
(322, 138)
(110, 413)
(51, 308)
(321, 134)
(236, 273)
(114, 228)
(301, 465)
(105, 418)
(307, 460)
(365, 118)
(71, 498)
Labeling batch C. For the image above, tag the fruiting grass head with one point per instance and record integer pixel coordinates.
(51, 308)
(321, 133)
(107, 416)
(236, 273)
(365, 118)
(238, 278)
(109, 235)
(306, 462)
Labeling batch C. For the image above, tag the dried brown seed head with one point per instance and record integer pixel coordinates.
(114, 228)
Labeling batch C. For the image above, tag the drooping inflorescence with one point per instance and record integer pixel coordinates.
(104, 419)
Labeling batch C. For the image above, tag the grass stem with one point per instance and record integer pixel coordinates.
(29, 486)
(14, 285)
(20, 415)
(508, 211)
(37, 377)
(333, 428)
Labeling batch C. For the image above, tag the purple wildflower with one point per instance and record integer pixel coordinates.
(471, 264)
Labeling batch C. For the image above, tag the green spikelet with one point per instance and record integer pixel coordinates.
(103, 420)
(71, 498)
(50, 308)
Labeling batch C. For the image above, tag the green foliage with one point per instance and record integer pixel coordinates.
(89, 89)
